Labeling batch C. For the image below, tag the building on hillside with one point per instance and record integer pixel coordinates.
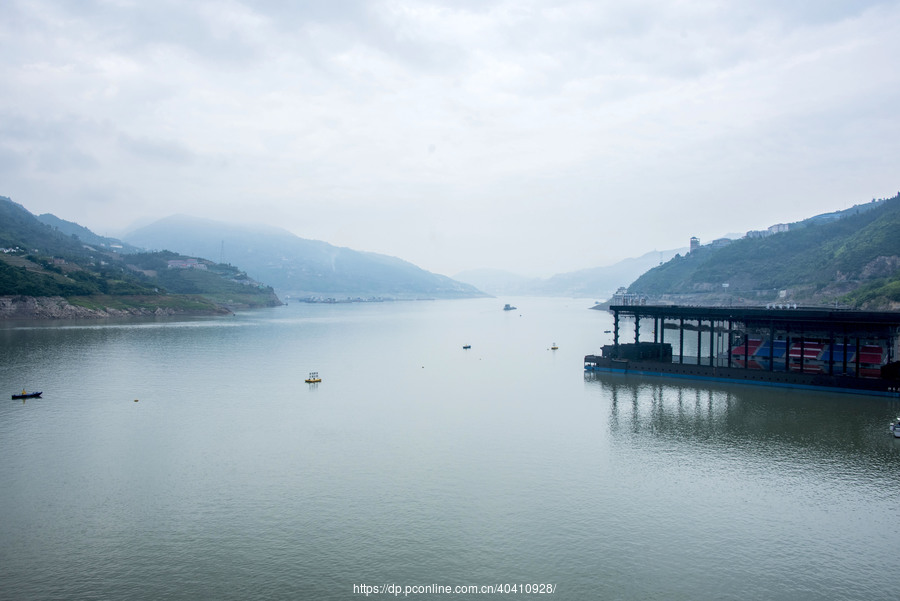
(628, 299)
(772, 229)
(185, 264)
(695, 243)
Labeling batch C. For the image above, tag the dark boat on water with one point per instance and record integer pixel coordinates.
(27, 395)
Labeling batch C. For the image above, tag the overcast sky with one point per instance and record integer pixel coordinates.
(533, 136)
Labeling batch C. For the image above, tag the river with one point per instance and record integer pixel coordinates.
(187, 459)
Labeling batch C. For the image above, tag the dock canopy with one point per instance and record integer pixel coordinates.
(778, 339)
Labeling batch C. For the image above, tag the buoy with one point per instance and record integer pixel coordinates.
(135, 400)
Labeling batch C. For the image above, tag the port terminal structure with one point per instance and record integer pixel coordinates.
(813, 348)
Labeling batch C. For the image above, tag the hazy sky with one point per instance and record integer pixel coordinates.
(536, 137)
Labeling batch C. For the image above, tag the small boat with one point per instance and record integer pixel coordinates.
(895, 428)
(554, 347)
(607, 331)
(27, 395)
(467, 346)
(313, 378)
(508, 307)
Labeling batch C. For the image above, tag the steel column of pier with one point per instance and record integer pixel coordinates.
(856, 373)
(730, 341)
(637, 328)
(831, 352)
(681, 340)
(844, 354)
(712, 340)
(616, 331)
(699, 342)
(772, 347)
(746, 346)
(787, 351)
(662, 335)
(802, 348)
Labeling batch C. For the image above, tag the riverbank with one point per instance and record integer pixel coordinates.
(103, 307)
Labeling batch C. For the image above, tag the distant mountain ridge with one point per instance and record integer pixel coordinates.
(849, 258)
(83, 234)
(297, 266)
(854, 210)
(594, 282)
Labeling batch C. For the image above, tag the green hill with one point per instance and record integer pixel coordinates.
(85, 235)
(297, 266)
(852, 260)
(39, 260)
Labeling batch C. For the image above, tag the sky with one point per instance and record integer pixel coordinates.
(536, 137)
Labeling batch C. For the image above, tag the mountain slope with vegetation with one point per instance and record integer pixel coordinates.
(850, 261)
(84, 235)
(297, 266)
(39, 260)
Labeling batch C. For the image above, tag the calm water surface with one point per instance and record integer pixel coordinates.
(416, 462)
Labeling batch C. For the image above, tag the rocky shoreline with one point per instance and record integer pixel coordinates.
(56, 307)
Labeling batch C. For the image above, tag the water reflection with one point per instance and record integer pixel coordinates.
(773, 422)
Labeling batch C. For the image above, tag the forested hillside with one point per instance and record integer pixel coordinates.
(298, 266)
(852, 261)
(37, 260)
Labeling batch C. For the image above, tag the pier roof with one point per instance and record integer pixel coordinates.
(807, 317)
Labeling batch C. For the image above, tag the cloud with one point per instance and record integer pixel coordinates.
(167, 151)
(499, 123)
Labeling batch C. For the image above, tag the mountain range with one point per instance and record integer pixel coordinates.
(847, 258)
(594, 282)
(297, 267)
